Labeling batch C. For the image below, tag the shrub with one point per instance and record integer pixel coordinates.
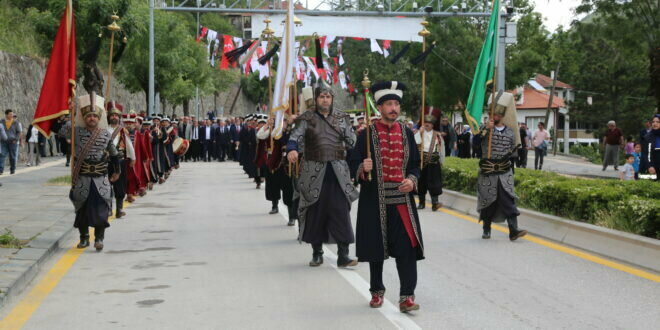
(631, 206)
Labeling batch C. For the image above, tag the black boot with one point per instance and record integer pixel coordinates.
(422, 203)
(275, 209)
(84, 237)
(514, 232)
(119, 209)
(292, 216)
(99, 233)
(342, 256)
(486, 234)
(317, 255)
(436, 204)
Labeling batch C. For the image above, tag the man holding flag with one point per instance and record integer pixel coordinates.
(495, 184)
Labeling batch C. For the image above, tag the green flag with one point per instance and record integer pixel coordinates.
(483, 74)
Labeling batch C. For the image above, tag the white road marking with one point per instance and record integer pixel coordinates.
(389, 310)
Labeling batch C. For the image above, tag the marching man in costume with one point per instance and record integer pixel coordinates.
(496, 197)
(91, 192)
(387, 220)
(323, 135)
(122, 142)
(434, 157)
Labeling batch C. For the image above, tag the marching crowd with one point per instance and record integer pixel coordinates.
(314, 162)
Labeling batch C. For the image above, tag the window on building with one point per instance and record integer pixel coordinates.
(532, 122)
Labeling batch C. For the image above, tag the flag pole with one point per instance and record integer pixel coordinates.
(113, 28)
(268, 32)
(424, 33)
(493, 99)
(366, 83)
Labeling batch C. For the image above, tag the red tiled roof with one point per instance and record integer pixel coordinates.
(534, 99)
(546, 82)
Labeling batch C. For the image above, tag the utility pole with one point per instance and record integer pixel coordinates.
(547, 112)
(199, 4)
(151, 58)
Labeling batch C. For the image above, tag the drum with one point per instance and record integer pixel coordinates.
(180, 146)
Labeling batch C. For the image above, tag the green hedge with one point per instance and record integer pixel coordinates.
(632, 206)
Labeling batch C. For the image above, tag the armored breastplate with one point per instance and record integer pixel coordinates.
(322, 142)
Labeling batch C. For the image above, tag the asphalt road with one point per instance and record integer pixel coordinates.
(201, 252)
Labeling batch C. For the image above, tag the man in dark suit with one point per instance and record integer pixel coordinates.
(222, 140)
(234, 135)
(207, 139)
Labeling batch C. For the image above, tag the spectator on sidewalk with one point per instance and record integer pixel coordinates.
(613, 141)
(448, 135)
(630, 145)
(653, 139)
(540, 144)
(637, 154)
(627, 170)
(10, 145)
(521, 160)
(464, 147)
(644, 161)
(65, 136)
(34, 141)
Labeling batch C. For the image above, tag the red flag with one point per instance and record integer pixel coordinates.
(58, 88)
(202, 33)
(228, 45)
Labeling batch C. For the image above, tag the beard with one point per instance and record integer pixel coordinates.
(114, 121)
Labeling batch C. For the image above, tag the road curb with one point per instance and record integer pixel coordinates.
(24, 266)
(625, 247)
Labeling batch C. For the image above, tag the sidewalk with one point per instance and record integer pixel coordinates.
(573, 165)
(37, 214)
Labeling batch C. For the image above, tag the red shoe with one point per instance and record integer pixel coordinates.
(377, 299)
(407, 304)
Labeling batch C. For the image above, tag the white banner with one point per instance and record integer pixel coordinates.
(358, 27)
(284, 79)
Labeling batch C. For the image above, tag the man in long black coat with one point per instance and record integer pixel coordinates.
(387, 221)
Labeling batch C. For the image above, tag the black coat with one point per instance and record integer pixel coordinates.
(371, 215)
(222, 138)
(233, 133)
(202, 134)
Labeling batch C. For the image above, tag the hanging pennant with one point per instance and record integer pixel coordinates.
(422, 57)
(386, 48)
(342, 80)
(228, 46)
(269, 55)
(202, 33)
(375, 48)
(400, 54)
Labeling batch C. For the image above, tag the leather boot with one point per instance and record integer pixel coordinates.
(99, 233)
(436, 204)
(343, 260)
(422, 203)
(275, 209)
(377, 299)
(514, 232)
(292, 216)
(486, 234)
(317, 255)
(407, 304)
(84, 238)
(118, 211)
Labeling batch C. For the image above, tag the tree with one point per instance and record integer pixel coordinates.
(642, 18)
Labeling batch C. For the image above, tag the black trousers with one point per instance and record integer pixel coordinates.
(207, 150)
(521, 161)
(406, 268)
(538, 158)
(221, 151)
(430, 181)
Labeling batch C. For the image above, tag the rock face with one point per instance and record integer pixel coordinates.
(20, 85)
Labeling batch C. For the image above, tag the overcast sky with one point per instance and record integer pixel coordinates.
(557, 12)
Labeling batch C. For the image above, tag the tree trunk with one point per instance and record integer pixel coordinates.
(654, 68)
(186, 108)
